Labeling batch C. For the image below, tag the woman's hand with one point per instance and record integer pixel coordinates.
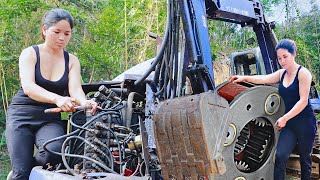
(94, 106)
(280, 123)
(67, 104)
(237, 78)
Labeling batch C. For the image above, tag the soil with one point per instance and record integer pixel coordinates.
(221, 70)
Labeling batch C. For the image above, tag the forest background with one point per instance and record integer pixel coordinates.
(110, 36)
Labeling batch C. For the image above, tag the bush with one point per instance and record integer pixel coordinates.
(5, 166)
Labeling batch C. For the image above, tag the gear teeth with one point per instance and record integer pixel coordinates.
(264, 148)
(260, 122)
(241, 165)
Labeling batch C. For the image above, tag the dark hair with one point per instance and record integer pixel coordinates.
(287, 44)
(55, 15)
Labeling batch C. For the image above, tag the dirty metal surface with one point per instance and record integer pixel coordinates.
(190, 132)
(249, 154)
(230, 90)
(38, 173)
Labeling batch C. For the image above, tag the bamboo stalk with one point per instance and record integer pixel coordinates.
(149, 21)
(125, 34)
(3, 90)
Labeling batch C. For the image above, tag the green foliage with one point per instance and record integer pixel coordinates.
(104, 48)
(2, 138)
(269, 3)
(99, 37)
(11, 9)
(305, 30)
(111, 36)
(226, 38)
(5, 163)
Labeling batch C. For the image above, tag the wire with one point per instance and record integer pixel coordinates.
(140, 168)
(63, 155)
(76, 131)
(91, 120)
(136, 171)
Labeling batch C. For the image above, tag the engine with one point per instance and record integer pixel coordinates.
(113, 142)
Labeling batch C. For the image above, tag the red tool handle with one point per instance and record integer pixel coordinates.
(57, 110)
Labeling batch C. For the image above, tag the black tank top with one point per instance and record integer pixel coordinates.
(59, 87)
(291, 96)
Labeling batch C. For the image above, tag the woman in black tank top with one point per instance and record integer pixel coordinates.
(298, 124)
(47, 75)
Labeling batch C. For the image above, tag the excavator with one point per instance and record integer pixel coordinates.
(166, 119)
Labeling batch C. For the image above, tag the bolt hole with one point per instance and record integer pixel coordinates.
(191, 99)
(228, 134)
(248, 107)
(272, 104)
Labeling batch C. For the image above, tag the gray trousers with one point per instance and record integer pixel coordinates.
(25, 127)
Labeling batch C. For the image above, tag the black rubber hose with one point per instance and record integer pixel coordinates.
(163, 74)
(166, 79)
(162, 71)
(157, 72)
(72, 133)
(171, 45)
(63, 155)
(176, 53)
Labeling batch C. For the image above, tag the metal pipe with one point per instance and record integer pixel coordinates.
(130, 109)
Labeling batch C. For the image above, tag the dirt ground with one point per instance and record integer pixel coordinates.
(221, 70)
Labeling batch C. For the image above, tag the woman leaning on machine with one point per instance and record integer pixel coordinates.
(298, 124)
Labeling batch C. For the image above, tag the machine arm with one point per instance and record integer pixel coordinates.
(191, 56)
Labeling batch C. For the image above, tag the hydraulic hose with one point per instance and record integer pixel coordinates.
(74, 133)
(63, 155)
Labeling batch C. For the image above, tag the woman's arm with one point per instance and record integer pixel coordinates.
(259, 79)
(27, 61)
(305, 79)
(75, 88)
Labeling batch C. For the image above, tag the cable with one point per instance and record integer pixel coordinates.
(140, 168)
(74, 132)
(91, 120)
(136, 171)
(63, 155)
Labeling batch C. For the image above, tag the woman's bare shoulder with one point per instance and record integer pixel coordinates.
(279, 73)
(304, 73)
(73, 58)
(73, 61)
(28, 54)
